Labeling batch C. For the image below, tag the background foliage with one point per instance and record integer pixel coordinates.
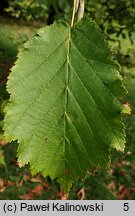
(22, 18)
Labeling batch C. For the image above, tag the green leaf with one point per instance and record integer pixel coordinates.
(64, 109)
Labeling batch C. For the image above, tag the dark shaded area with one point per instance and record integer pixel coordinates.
(51, 16)
(3, 4)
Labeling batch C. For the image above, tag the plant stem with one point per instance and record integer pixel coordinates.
(80, 10)
(74, 11)
(78, 5)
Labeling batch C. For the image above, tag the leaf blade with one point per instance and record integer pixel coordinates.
(63, 110)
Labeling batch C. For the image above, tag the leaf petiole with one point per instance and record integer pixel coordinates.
(78, 7)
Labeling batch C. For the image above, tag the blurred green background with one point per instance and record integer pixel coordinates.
(19, 21)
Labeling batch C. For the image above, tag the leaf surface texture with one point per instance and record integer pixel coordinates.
(64, 109)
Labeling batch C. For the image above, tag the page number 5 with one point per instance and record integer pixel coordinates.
(126, 206)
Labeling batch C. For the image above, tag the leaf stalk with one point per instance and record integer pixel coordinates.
(73, 13)
(78, 7)
(80, 10)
